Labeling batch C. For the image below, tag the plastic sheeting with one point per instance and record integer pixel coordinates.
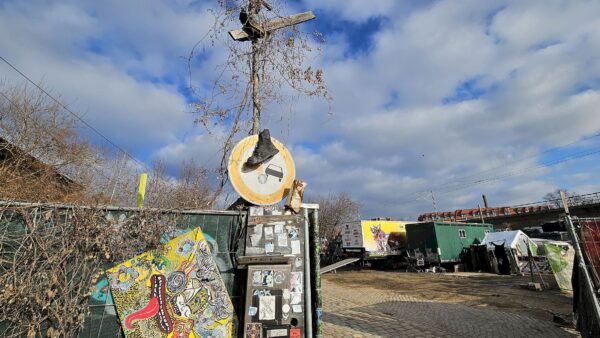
(514, 239)
(560, 258)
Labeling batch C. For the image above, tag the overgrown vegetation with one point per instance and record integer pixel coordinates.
(44, 159)
(335, 210)
(51, 259)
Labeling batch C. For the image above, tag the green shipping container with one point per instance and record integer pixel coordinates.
(447, 239)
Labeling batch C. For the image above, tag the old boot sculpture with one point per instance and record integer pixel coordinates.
(265, 149)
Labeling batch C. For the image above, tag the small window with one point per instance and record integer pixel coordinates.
(462, 233)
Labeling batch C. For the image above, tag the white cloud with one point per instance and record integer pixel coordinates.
(356, 10)
(528, 70)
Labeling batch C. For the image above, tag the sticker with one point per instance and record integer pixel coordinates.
(282, 240)
(256, 211)
(279, 277)
(295, 332)
(277, 333)
(266, 305)
(296, 298)
(293, 233)
(252, 311)
(269, 247)
(268, 233)
(257, 278)
(285, 308)
(298, 262)
(295, 247)
(296, 278)
(254, 330)
(258, 229)
(255, 239)
(286, 294)
(278, 227)
(267, 278)
(261, 293)
(297, 308)
(254, 251)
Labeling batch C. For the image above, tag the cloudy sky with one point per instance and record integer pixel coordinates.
(456, 97)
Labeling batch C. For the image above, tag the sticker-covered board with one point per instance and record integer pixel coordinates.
(174, 291)
(274, 300)
(275, 293)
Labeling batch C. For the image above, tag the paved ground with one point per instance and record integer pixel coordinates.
(354, 308)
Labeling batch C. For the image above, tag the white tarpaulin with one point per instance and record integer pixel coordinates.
(517, 240)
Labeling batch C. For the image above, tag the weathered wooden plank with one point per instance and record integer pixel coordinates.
(253, 220)
(241, 35)
(338, 265)
(289, 20)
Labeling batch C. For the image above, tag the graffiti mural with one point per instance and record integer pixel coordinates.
(380, 237)
(175, 292)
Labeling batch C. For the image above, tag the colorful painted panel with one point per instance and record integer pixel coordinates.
(383, 236)
(175, 292)
(561, 259)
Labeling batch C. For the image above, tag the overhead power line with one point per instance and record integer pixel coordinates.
(17, 106)
(74, 114)
(453, 185)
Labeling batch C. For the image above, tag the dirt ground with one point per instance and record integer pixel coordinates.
(469, 289)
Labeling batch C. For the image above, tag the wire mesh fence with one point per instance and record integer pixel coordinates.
(589, 236)
(586, 281)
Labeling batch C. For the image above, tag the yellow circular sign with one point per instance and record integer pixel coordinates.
(264, 184)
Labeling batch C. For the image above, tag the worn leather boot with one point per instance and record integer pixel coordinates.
(265, 149)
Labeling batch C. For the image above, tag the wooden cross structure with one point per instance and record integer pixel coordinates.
(252, 30)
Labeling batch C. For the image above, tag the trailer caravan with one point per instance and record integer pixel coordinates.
(375, 239)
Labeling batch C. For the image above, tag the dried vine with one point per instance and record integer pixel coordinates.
(51, 259)
(282, 55)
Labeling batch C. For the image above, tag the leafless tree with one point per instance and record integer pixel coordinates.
(334, 211)
(280, 59)
(43, 157)
(189, 190)
(572, 198)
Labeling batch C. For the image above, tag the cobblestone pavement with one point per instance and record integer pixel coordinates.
(367, 312)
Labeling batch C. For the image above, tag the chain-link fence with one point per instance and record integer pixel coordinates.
(586, 281)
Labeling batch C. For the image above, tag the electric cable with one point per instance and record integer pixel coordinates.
(74, 114)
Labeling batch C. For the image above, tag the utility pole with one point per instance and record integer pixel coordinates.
(252, 30)
(253, 9)
(433, 201)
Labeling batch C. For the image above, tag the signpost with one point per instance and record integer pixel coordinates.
(252, 30)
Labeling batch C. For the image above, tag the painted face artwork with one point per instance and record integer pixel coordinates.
(173, 292)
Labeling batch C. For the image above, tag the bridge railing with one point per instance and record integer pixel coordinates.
(520, 209)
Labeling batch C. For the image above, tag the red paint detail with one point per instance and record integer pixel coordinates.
(149, 311)
(590, 240)
(295, 332)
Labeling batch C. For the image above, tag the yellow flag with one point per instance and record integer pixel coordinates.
(141, 190)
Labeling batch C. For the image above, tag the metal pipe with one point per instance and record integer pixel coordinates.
(307, 288)
(317, 299)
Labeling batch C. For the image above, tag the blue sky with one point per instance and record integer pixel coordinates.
(428, 95)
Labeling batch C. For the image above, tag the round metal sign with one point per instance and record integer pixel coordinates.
(263, 184)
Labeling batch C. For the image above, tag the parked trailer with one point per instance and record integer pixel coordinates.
(444, 242)
(375, 240)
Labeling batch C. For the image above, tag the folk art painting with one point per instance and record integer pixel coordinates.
(174, 292)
